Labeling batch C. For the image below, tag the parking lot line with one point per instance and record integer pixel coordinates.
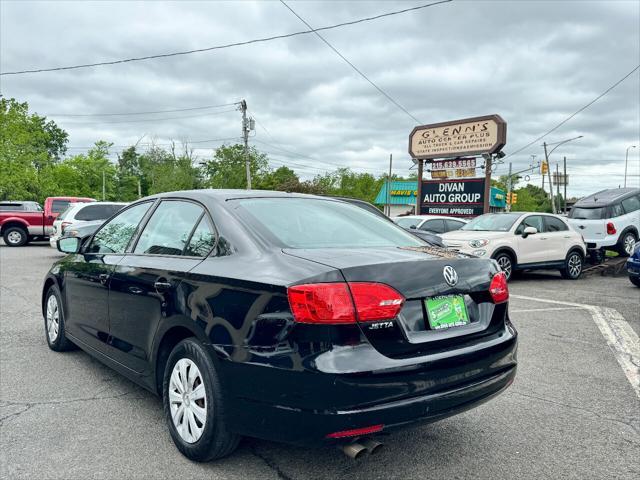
(620, 337)
(552, 309)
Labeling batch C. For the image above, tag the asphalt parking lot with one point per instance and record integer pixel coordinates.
(573, 411)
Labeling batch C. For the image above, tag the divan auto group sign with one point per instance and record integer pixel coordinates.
(456, 198)
(470, 136)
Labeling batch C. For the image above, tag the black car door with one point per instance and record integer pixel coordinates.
(87, 275)
(144, 286)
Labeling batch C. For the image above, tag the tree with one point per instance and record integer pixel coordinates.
(29, 145)
(227, 167)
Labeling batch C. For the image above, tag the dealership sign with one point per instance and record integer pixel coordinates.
(469, 136)
(462, 198)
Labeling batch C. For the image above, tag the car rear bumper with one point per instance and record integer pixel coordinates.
(310, 405)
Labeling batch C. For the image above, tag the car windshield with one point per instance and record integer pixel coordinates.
(407, 222)
(583, 213)
(492, 222)
(66, 212)
(317, 223)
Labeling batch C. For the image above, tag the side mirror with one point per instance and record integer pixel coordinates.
(529, 231)
(412, 227)
(69, 245)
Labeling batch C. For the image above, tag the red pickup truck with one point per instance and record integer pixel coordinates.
(24, 221)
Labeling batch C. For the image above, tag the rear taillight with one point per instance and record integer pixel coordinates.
(340, 303)
(498, 288)
(375, 301)
(611, 228)
(64, 225)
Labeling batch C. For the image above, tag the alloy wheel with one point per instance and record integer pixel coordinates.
(629, 243)
(188, 400)
(53, 318)
(505, 264)
(574, 265)
(14, 237)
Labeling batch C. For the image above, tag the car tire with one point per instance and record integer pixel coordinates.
(15, 236)
(626, 244)
(54, 326)
(505, 262)
(573, 266)
(635, 281)
(192, 394)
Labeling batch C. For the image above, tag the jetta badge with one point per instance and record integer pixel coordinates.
(450, 275)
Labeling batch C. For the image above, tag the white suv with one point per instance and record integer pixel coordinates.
(79, 213)
(522, 241)
(609, 219)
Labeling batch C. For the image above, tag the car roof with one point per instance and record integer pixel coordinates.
(606, 197)
(233, 194)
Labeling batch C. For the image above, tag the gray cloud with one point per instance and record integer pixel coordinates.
(533, 62)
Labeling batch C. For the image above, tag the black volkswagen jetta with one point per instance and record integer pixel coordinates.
(286, 317)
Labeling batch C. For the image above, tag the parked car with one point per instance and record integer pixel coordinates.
(288, 317)
(430, 223)
(633, 266)
(422, 234)
(522, 241)
(609, 219)
(78, 213)
(18, 227)
(82, 230)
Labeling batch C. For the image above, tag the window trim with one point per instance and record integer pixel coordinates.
(144, 219)
(134, 243)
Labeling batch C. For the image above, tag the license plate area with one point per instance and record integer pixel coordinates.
(447, 311)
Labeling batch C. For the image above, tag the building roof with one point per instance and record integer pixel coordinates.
(409, 187)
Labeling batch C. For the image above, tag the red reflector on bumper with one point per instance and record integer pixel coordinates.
(356, 432)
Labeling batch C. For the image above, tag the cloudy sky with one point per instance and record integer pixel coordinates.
(533, 62)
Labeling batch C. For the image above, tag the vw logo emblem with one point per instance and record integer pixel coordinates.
(450, 275)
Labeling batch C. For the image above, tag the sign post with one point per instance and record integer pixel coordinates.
(450, 140)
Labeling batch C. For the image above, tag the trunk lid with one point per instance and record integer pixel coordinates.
(417, 273)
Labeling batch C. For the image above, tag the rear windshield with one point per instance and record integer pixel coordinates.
(492, 222)
(582, 213)
(407, 222)
(97, 211)
(316, 223)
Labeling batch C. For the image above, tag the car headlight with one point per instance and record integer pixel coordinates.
(478, 243)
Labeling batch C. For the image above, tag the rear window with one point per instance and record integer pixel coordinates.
(315, 223)
(97, 212)
(582, 213)
(12, 207)
(59, 206)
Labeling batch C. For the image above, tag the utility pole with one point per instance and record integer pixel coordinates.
(104, 187)
(558, 187)
(626, 160)
(546, 157)
(389, 185)
(564, 162)
(509, 187)
(487, 183)
(419, 196)
(245, 135)
(139, 189)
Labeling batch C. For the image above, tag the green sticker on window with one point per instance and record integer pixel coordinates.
(447, 311)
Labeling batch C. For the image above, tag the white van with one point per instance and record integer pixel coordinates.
(609, 219)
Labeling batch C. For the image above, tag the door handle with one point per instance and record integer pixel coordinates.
(161, 286)
(104, 277)
(543, 238)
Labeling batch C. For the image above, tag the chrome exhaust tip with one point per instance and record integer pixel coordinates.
(353, 450)
(372, 446)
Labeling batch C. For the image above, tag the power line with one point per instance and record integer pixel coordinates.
(576, 112)
(150, 144)
(157, 119)
(138, 113)
(385, 94)
(228, 45)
